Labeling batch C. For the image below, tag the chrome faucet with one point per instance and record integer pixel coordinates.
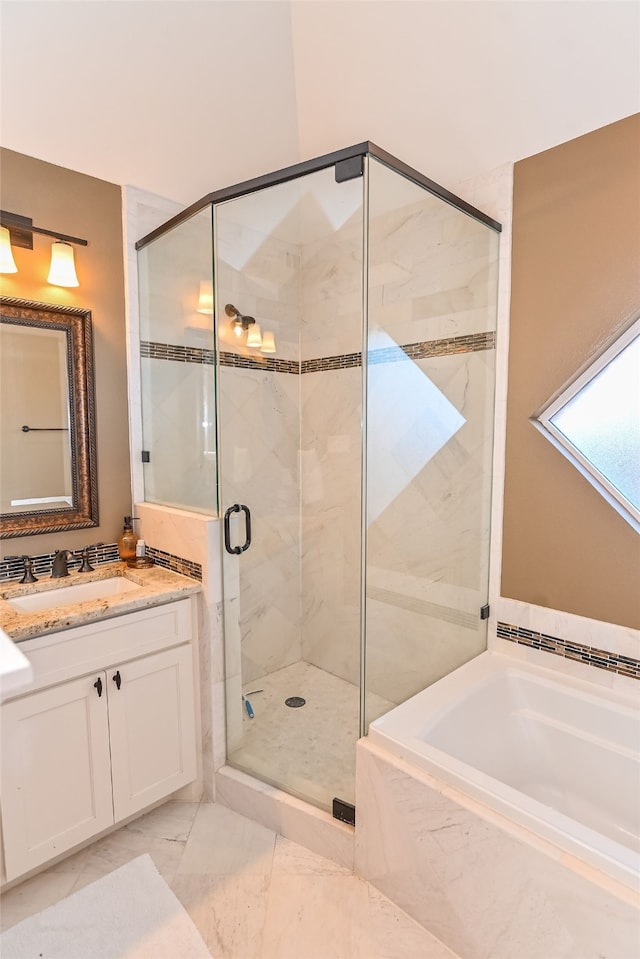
(60, 567)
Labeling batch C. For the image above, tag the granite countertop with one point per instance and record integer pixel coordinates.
(156, 587)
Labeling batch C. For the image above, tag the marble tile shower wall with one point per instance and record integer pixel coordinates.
(331, 292)
(428, 548)
(260, 468)
(330, 515)
(259, 274)
(331, 405)
(433, 275)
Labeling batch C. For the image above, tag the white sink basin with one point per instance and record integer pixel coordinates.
(69, 595)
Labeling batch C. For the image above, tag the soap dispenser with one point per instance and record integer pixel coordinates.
(127, 539)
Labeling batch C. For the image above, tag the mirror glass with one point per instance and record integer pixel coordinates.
(47, 454)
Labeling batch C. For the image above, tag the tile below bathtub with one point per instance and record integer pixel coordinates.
(483, 886)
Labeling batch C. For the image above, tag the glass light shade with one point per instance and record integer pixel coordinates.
(7, 263)
(237, 327)
(254, 336)
(205, 299)
(268, 342)
(63, 269)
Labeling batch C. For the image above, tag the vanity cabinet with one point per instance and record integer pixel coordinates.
(92, 750)
(152, 734)
(56, 777)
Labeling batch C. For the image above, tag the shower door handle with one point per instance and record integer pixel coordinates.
(237, 508)
(247, 521)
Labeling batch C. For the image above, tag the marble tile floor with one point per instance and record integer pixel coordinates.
(308, 751)
(251, 893)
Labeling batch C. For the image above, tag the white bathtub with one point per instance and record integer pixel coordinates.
(559, 756)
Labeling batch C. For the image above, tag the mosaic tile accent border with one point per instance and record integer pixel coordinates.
(447, 346)
(591, 655)
(260, 362)
(192, 354)
(176, 563)
(179, 354)
(322, 363)
(413, 351)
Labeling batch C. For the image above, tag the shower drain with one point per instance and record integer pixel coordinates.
(295, 701)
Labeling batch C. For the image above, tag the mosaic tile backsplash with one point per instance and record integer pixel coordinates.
(602, 658)
(13, 569)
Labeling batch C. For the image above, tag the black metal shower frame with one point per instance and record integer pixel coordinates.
(312, 166)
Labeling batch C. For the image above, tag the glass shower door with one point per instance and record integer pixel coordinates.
(430, 391)
(288, 268)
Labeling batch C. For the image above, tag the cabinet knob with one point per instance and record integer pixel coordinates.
(117, 678)
(98, 685)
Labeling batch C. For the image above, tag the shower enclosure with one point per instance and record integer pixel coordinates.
(333, 325)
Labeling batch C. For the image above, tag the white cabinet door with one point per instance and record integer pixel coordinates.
(152, 722)
(56, 782)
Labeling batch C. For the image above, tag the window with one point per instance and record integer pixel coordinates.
(595, 423)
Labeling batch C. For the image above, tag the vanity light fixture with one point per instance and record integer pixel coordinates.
(256, 339)
(21, 229)
(7, 262)
(239, 322)
(62, 271)
(268, 342)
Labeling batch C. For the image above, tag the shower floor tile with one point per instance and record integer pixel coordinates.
(308, 751)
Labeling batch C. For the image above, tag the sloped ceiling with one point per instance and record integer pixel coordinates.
(458, 88)
(181, 97)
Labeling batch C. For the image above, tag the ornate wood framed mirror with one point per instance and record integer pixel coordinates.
(48, 474)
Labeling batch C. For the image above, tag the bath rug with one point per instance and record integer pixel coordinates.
(129, 914)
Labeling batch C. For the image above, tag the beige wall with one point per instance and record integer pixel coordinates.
(575, 283)
(59, 199)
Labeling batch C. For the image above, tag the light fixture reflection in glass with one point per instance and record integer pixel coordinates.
(205, 298)
(63, 269)
(7, 262)
(268, 342)
(254, 336)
